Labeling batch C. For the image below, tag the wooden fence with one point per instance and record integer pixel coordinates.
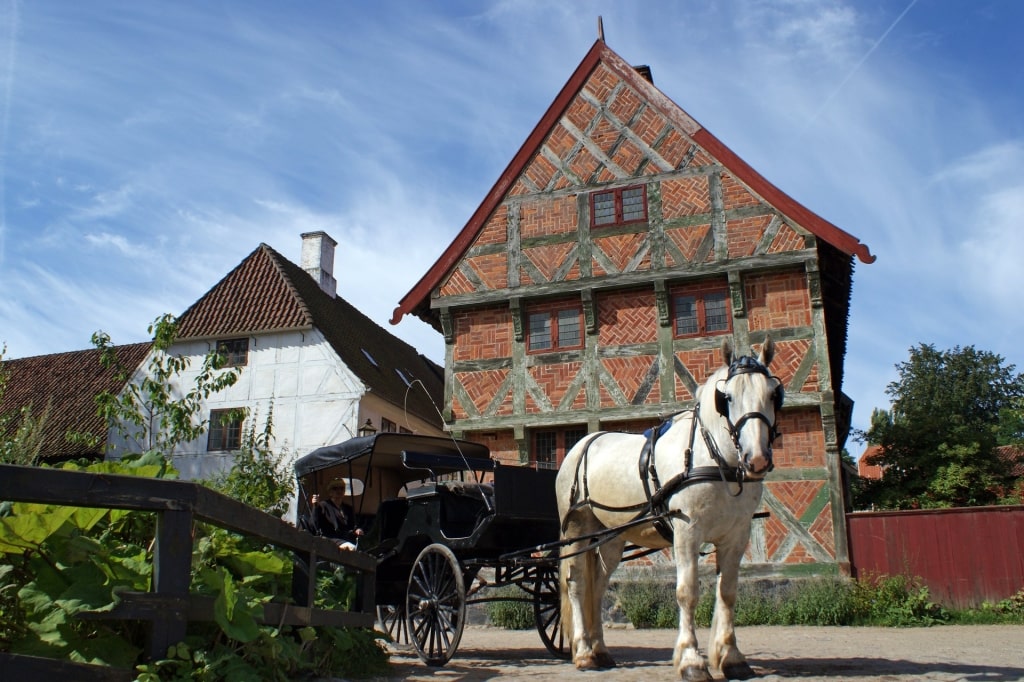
(965, 556)
(168, 607)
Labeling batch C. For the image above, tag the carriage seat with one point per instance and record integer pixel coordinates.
(463, 506)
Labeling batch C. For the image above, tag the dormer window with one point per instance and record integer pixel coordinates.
(618, 206)
(234, 351)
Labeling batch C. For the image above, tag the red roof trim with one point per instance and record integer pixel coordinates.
(464, 239)
(601, 53)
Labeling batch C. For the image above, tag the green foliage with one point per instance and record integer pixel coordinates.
(950, 410)
(648, 603)
(153, 411)
(898, 600)
(513, 614)
(58, 562)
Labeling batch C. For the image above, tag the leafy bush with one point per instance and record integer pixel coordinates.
(897, 600)
(648, 603)
(512, 613)
(58, 562)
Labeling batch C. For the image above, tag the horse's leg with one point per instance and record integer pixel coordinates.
(607, 560)
(722, 650)
(686, 658)
(577, 578)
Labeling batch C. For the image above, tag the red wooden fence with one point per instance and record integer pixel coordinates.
(965, 556)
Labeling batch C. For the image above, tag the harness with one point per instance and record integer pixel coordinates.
(655, 507)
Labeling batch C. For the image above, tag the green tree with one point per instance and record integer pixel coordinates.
(950, 410)
(153, 410)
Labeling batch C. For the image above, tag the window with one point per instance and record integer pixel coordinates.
(388, 426)
(225, 430)
(551, 445)
(701, 312)
(618, 206)
(235, 351)
(555, 328)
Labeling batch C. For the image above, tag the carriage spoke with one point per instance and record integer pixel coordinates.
(436, 603)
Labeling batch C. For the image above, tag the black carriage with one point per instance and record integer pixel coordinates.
(447, 524)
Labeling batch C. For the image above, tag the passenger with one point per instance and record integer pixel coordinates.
(334, 519)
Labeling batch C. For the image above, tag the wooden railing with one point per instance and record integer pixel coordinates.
(169, 606)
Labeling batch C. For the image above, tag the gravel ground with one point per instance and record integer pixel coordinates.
(832, 654)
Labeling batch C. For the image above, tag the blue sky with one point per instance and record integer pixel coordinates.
(147, 147)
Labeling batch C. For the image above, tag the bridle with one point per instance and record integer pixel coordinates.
(749, 365)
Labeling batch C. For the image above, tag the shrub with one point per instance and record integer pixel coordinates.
(898, 600)
(511, 612)
(648, 603)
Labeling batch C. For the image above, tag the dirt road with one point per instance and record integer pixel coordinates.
(831, 654)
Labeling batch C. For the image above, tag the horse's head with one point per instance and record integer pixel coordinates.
(748, 398)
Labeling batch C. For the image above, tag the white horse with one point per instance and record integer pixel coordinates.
(703, 480)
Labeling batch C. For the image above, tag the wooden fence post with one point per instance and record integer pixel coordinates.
(172, 568)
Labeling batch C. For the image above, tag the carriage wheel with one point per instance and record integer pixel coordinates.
(391, 619)
(547, 612)
(436, 605)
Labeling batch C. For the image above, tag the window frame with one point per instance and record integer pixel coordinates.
(700, 294)
(561, 436)
(233, 358)
(226, 425)
(619, 218)
(552, 312)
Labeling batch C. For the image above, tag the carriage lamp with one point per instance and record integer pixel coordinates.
(367, 429)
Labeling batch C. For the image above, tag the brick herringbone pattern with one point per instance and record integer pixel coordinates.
(624, 104)
(803, 442)
(775, 534)
(823, 531)
(777, 300)
(735, 195)
(674, 147)
(796, 495)
(457, 284)
(483, 333)
(549, 258)
(492, 270)
(482, 387)
(628, 157)
(555, 379)
(605, 135)
(787, 239)
(620, 250)
(584, 165)
(701, 364)
(685, 196)
(539, 171)
(601, 83)
(548, 216)
(744, 234)
(626, 317)
(788, 356)
(629, 374)
(688, 239)
(495, 230)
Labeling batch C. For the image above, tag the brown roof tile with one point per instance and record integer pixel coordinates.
(69, 383)
(267, 292)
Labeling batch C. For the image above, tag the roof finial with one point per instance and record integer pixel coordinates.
(600, 28)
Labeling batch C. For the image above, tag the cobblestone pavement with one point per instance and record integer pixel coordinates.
(810, 654)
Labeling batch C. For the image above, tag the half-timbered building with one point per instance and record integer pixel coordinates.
(593, 286)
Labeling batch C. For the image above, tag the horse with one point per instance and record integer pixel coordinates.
(698, 482)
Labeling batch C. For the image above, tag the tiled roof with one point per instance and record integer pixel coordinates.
(268, 293)
(69, 383)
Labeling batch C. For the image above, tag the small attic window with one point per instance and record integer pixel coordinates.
(403, 377)
(369, 357)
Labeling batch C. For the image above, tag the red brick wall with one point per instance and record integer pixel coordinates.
(687, 240)
(685, 196)
(744, 234)
(735, 195)
(548, 259)
(554, 380)
(629, 374)
(701, 364)
(777, 300)
(620, 250)
(548, 216)
(482, 387)
(802, 444)
(483, 333)
(626, 317)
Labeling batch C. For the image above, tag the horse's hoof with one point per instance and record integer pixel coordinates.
(738, 671)
(695, 673)
(604, 660)
(588, 662)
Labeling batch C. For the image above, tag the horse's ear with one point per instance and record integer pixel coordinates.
(727, 351)
(767, 351)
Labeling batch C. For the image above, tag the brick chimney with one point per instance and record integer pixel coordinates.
(318, 260)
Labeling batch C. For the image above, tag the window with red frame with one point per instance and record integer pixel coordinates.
(225, 430)
(551, 445)
(618, 206)
(701, 312)
(555, 328)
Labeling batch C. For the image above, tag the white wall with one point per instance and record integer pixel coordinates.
(315, 399)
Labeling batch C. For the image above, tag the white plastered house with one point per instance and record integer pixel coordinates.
(326, 369)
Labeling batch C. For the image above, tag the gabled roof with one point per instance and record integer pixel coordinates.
(68, 383)
(268, 293)
(417, 301)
